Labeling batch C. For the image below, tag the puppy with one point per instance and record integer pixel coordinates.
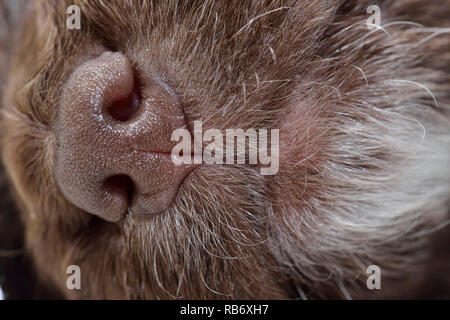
(364, 145)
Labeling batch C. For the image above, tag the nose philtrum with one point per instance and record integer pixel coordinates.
(114, 140)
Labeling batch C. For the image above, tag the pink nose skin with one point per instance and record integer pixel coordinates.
(113, 140)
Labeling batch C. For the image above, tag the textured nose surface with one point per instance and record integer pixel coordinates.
(113, 140)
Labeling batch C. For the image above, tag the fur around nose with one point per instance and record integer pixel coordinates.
(113, 140)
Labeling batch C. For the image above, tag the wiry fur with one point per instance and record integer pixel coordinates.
(364, 139)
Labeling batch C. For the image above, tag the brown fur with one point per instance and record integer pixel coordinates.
(358, 184)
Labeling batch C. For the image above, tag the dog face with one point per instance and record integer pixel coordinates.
(364, 145)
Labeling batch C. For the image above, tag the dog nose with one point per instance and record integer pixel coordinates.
(113, 136)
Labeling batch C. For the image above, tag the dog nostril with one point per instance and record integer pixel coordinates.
(122, 109)
(122, 187)
(113, 139)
